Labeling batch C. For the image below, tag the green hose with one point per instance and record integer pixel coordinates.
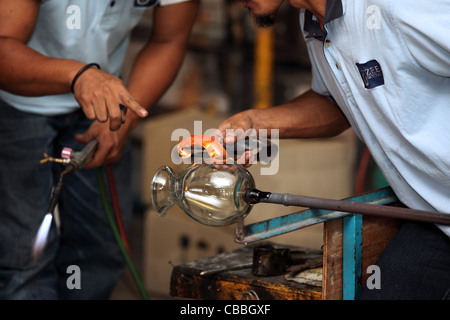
(129, 262)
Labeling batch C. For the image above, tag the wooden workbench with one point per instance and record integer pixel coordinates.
(186, 281)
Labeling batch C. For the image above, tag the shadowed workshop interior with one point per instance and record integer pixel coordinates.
(216, 80)
(345, 110)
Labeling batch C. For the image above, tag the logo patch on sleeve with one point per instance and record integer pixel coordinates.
(144, 3)
(371, 74)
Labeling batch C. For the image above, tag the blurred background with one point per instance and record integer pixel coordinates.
(230, 66)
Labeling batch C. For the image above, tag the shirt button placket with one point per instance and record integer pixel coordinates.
(334, 64)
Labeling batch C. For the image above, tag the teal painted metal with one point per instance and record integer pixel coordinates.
(352, 256)
(298, 220)
(352, 234)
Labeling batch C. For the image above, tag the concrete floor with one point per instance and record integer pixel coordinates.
(126, 288)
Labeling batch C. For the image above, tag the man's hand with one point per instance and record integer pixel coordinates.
(110, 143)
(26, 72)
(236, 127)
(100, 96)
(308, 116)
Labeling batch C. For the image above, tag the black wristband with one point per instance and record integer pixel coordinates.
(81, 71)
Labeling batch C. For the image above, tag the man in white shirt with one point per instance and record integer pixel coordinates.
(382, 67)
(60, 63)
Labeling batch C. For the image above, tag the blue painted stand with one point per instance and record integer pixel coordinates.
(352, 256)
(352, 233)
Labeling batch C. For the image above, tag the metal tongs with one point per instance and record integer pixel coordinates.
(206, 147)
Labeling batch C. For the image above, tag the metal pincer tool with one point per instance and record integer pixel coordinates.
(208, 148)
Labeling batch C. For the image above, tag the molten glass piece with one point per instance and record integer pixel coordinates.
(210, 194)
(214, 149)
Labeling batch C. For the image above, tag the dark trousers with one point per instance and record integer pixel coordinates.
(414, 266)
(84, 238)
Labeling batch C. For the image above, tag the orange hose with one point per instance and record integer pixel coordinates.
(116, 206)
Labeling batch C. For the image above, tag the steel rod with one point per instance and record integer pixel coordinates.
(287, 199)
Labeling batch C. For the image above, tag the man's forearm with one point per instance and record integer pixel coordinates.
(26, 72)
(307, 116)
(153, 72)
(159, 61)
(23, 70)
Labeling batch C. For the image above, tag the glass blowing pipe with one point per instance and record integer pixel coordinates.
(254, 196)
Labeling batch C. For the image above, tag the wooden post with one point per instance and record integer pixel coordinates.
(377, 232)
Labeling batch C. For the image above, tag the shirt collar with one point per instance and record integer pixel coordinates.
(333, 10)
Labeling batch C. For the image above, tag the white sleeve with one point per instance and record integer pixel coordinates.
(425, 30)
(167, 2)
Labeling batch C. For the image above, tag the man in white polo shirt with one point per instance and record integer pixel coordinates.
(60, 63)
(382, 67)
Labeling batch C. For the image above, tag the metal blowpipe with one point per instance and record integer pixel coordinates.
(254, 196)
